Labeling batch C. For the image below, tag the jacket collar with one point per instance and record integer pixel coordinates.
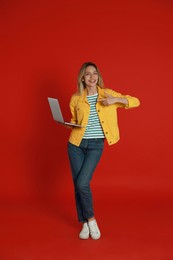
(83, 96)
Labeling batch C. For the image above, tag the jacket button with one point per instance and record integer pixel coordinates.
(98, 110)
(102, 121)
(106, 132)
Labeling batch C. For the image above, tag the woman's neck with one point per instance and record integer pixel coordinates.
(91, 91)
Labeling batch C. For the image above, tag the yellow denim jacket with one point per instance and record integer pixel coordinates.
(80, 110)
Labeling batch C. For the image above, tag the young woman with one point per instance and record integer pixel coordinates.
(93, 107)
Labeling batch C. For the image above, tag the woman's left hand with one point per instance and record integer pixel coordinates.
(108, 100)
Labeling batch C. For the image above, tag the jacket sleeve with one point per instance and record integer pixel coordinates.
(132, 101)
(73, 110)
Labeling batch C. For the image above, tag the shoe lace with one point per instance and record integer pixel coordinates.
(94, 228)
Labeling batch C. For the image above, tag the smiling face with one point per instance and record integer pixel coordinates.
(90, 77)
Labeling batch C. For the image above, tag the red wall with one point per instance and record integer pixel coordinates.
(43, 44)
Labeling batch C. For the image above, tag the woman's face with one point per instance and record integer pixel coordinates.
(90, 76)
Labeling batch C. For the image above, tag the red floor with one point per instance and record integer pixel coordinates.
(131, 229)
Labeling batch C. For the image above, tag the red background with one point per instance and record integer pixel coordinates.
(43, 44)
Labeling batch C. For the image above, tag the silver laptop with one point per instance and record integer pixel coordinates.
(56, 112)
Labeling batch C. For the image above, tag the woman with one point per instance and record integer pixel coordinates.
(94, 108)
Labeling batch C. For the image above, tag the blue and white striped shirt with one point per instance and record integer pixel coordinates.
(94, 128)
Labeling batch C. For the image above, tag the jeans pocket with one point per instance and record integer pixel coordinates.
(99, 143)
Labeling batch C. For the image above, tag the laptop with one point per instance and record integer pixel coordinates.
(57, 114)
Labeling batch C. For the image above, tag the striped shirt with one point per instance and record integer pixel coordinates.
(94, 128)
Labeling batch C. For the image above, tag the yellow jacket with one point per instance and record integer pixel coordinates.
(80, 110)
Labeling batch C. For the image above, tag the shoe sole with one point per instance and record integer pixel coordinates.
(95, 237)
(84, 238)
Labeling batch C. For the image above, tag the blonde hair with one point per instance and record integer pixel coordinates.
(81, 83)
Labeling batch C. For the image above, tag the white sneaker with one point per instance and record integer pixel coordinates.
(94, 229)
(84, 234)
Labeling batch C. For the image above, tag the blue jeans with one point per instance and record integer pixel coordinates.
(83, 161)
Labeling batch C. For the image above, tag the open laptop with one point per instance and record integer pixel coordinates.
(56, 112)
